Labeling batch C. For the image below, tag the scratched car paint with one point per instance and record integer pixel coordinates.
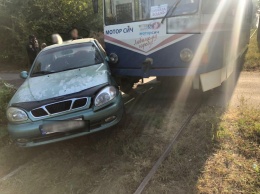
(68, 93)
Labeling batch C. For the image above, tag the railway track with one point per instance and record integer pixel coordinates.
(167, 151)
(253, 34)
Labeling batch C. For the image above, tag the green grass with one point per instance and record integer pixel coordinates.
(252, 60)
(235, 165)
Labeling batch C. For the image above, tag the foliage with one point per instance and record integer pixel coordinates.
(252, 60)
(6, 94)
(19, 18)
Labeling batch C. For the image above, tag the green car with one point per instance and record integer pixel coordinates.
(68, 93)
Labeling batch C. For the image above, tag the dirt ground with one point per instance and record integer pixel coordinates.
(112, 161)
(12, 78)
(116, 160)
(248, 89)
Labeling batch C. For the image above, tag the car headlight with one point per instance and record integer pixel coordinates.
(105, 95)
(186, 55)
(16, 115)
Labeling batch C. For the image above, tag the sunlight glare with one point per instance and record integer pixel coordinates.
(217, 21)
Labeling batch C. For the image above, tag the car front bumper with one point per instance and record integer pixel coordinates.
(30, 135)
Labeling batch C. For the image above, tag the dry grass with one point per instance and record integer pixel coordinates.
(252, 60)
(219, 152)
(179, 172)
(235, 165)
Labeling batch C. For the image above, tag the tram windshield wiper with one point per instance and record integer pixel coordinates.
(173, 8)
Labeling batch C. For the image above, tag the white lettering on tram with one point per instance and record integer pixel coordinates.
(149, 33)
(143, 43)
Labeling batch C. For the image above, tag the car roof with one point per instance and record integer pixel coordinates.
(70, 42)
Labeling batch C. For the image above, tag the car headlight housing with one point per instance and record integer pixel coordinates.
(105, 95)
(186, 55)
(16, 115)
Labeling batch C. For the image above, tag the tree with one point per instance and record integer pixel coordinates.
(19, 18)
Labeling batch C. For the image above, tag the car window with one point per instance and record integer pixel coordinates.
(66, 58)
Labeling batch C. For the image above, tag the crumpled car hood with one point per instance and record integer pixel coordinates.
(61, 83)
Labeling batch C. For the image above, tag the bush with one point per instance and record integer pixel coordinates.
(6, 94)
(252, 62)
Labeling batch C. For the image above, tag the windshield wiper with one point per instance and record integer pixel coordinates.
(68, 69)
(42, 73)
(174, 6)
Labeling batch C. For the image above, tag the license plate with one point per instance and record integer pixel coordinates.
(62, 126)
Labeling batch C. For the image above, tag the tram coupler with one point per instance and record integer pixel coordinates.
(146, 66)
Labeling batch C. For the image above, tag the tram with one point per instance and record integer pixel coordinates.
(199, 39)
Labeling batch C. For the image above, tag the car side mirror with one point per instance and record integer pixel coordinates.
(24, 74)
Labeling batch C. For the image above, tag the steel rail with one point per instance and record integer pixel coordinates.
(167, 151)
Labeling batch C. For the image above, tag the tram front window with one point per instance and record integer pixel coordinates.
(124, 11)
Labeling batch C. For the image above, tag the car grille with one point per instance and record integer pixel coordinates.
(59, 107)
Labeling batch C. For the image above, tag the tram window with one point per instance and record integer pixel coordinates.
(145, 12)
(125, 11)
(110, 17)
(209, 6)
(118, 11)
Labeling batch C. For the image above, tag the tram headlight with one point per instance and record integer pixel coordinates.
(113, 58)
(186, 55)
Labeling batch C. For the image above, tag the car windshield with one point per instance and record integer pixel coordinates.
(123, 11)
(66, 58)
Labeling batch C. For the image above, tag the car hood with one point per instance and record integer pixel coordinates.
(61, 83)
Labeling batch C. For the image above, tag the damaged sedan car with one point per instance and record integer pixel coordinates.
(68, 93)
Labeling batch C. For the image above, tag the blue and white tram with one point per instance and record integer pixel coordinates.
(176, 38)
